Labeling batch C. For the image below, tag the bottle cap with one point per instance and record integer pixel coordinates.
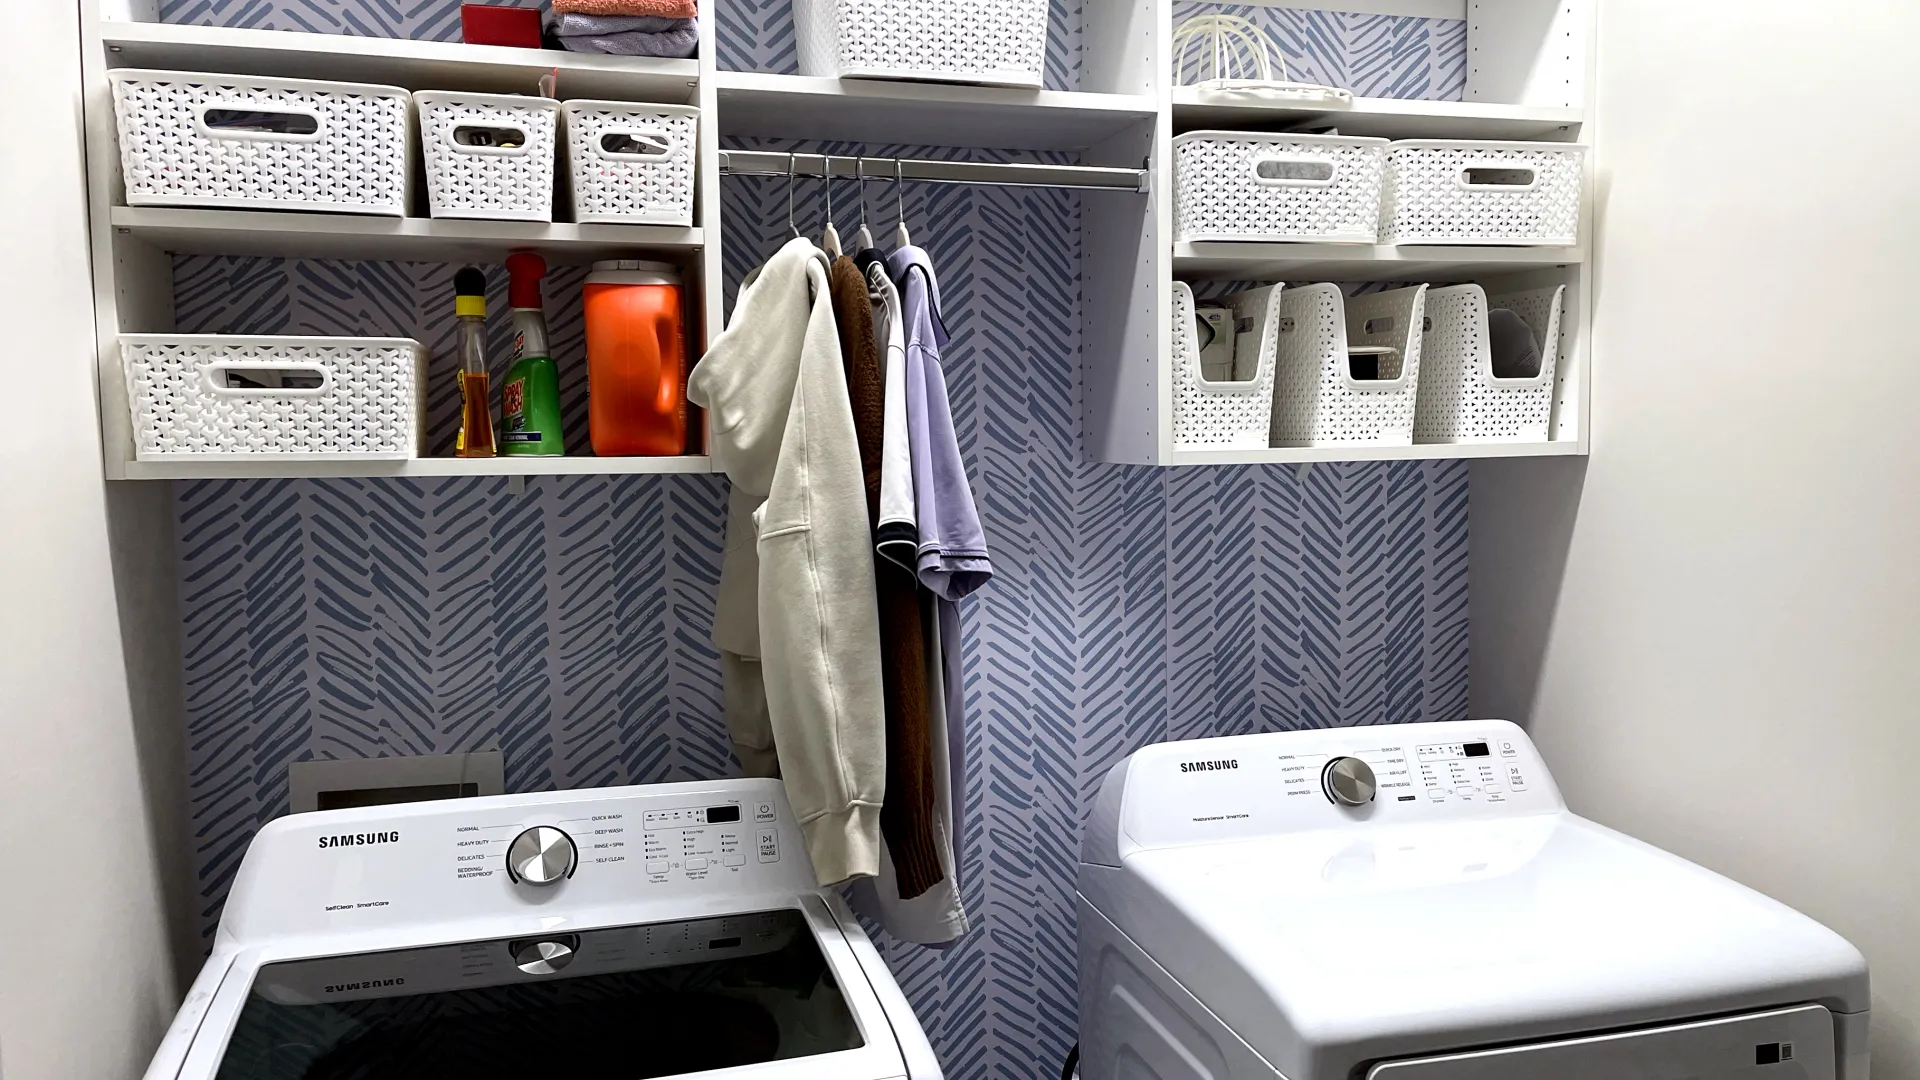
(633, 272)
(470, 292)
(525, 269)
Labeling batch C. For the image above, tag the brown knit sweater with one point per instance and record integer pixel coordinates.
(906, 814)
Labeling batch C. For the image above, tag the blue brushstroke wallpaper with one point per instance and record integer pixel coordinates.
(567, 624)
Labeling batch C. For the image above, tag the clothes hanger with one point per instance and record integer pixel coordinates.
(830, 237)
(863, 237)
(900, 237)
(790, 224)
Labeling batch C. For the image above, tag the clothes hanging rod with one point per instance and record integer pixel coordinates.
(1082, 177)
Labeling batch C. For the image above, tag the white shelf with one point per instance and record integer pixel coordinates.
(1307, 455)
(1390, 118)
(347, 236)
(416, 65)
(500, 466)
(1362, 262)
(872, 111)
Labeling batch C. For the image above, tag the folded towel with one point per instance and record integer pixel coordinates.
(676, 44)
(600, 25)
(665, 9)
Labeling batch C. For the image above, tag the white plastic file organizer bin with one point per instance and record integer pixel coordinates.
(1446, 192)
(1211, 414)
(192, 139)
(467, 178)
(1317, 401)
(1248, 185)
(1460, 400)
(311, 397)
(990, 42)
(631, 162)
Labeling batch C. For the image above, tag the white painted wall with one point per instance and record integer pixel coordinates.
(1712, 626)
(92, 791)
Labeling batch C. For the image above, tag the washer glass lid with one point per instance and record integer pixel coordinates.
(652, 1000)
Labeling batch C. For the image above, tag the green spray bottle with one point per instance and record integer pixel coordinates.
(530, 396)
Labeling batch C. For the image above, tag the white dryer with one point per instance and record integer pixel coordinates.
(669, 930)
(1414, 902)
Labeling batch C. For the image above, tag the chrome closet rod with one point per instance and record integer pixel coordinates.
(1083, 177)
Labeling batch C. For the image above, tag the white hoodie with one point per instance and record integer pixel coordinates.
(800, 596)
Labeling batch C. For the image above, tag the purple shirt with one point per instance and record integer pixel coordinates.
(952, 546)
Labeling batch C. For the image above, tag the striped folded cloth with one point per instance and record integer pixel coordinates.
(567, 26)
(660, 9)
(679, 41)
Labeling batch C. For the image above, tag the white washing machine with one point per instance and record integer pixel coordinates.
(1415, 902)
(669, 930)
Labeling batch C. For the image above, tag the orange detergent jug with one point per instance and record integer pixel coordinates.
(636, 360)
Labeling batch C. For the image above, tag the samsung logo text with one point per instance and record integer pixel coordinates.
(1209, 766)
(359, 838)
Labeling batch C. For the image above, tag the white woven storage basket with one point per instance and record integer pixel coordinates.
(354, 398)
(513, 183)
(990, 42)
(343, 147)
(631, 161)
(1316, 399)
(1460, 400)
(1446, 192)
(1213, 414)
(1246, 185)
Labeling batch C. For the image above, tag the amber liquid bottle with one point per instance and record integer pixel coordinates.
(476, 412)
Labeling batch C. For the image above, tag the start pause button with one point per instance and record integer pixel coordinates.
(769, 843)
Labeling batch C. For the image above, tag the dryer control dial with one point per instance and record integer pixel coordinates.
(542, 855)
(1348, 781)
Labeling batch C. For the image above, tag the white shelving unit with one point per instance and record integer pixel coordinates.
(1529, 64)
(347, 236)
(434, 466)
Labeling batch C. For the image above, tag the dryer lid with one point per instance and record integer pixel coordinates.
(1330, 948)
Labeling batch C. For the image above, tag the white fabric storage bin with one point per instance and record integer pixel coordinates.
(212, 397)
(1455, 192)
(468, 179)
(193, 139)
(631, 162)
(1460, 400)
(1249, 185)
(989, 42)
(1210, 414)
(1317, 400)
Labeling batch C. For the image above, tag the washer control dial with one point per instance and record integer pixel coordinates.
(1348, 781)
(545, 957)
(542, 855)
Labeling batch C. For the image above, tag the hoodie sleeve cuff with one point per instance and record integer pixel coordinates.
(844, 843)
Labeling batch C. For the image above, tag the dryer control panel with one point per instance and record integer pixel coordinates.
(1245, 786)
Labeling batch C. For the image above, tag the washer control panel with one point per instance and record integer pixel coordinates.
(697, 842)
(677, 845)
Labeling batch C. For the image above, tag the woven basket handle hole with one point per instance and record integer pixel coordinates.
(269, 123)
(503, 138)
(1293, 171)
(255, 379)
(635, 144)
(1499, 178)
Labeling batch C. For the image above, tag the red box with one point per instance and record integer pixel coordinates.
(485, 24)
